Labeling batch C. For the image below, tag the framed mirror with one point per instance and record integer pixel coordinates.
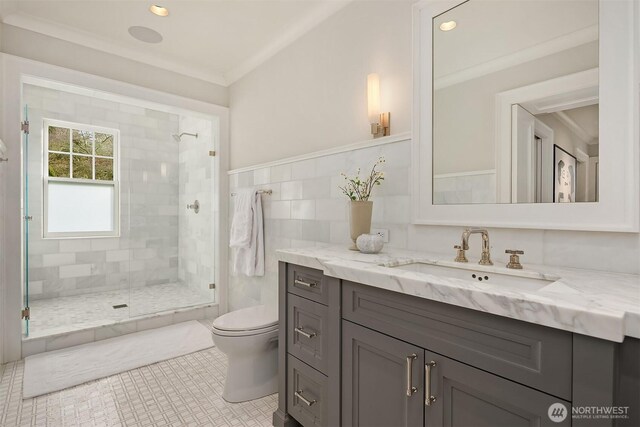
(526, 113)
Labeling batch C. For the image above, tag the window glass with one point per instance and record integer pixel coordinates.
(59, 165)
(76, 208)
(81, 197)
(104, 169)
(59, 139)
(104, 144)
(82, 167)
(82, 142)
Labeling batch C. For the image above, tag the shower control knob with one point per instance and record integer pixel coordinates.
(195, 206)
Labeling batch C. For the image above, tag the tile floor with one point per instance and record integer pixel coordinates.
(65, 314)
(185, 391)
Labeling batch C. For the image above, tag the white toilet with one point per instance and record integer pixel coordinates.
(249, 338)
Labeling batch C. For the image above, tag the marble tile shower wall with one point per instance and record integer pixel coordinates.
(307, 209)
(196, 237)
(147, 250)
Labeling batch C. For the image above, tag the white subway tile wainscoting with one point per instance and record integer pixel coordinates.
(307, 209)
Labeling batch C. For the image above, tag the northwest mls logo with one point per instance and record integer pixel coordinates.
(557, 412)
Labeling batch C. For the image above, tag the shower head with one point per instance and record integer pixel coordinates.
(178, 138)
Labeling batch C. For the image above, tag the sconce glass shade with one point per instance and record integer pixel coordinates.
(373, 97)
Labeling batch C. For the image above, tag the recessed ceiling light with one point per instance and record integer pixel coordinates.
(448, 26)
(159, 10)
(145, 34)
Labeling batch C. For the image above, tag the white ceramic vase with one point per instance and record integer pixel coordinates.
(359, 220)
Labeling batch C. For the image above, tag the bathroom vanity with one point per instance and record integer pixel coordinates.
(398, 340)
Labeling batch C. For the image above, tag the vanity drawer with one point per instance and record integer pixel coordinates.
(306, 394)
(306, 332)
(527, 353)
(308, 283)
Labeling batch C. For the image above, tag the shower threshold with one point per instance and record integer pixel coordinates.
(56, 316)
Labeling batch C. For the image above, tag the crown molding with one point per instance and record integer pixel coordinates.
(83, 38)
(567, 41)
(574, 127)
(303, 26)
(86, 39)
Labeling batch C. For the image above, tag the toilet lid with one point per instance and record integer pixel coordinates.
(247, 319)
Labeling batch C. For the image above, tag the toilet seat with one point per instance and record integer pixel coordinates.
(224, 333)
(246, 322)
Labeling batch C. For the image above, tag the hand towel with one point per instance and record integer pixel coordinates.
(242, 221)
(249, 258)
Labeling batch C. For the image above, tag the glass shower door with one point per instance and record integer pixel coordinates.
(173, 209)
(26, 217)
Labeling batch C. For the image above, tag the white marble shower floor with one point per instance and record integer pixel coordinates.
(72, 313)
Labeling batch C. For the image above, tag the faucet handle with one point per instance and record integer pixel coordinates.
(460, 256)
(514, 259)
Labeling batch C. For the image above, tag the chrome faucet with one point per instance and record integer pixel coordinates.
(485, 258)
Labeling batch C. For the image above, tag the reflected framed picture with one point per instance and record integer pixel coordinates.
(564, 176)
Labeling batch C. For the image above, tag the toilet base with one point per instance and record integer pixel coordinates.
(250, 378)
(252, 367)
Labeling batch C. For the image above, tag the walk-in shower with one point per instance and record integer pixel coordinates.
(109, 236)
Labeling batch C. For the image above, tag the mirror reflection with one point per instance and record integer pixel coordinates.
(515, 102)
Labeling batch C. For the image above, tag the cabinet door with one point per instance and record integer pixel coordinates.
(468, 397)
(382, 379)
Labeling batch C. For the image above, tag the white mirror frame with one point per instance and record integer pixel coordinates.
(619, 205)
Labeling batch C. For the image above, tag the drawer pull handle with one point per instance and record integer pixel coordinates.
(304, 400)
(410, 388)
(429, 399)
(304, 333)
(305, 284)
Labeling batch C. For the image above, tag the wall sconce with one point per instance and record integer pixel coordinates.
(380, 122)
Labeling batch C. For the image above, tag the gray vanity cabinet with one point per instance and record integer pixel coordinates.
(467, 396)
(385, 382)
(356, 355)
(381, 379)
(308, 348)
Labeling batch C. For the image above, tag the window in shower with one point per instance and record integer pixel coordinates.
(81, 185)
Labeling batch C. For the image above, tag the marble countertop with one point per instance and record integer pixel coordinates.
(595, 303)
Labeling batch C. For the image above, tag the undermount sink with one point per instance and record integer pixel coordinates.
(467, 272)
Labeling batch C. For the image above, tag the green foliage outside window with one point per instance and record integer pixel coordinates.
(80, 154)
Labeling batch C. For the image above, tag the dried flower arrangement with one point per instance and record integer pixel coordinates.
(360, 189)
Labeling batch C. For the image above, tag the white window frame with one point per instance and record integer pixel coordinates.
(47, 179)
